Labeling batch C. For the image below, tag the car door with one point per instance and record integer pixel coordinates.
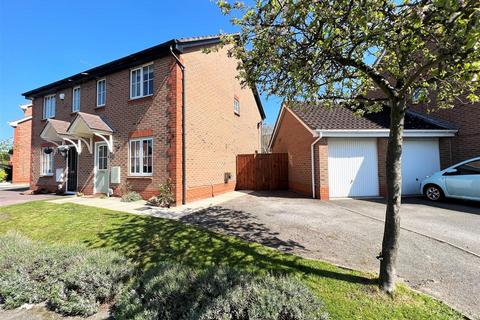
(465, 181)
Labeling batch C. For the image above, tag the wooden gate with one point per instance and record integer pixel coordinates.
(259, 171)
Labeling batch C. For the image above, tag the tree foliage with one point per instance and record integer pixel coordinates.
(326, 50)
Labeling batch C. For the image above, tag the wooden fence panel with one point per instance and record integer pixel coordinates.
(262, 171)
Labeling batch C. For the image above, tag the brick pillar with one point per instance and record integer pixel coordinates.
(322, 171)
(382, 161)
(175, 128)
(445, 149)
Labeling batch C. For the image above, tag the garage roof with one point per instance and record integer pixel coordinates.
(344, 118)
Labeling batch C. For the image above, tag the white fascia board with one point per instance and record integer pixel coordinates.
(381, 133)
(14, 124)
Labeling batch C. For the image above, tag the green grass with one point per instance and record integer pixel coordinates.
(147, 240)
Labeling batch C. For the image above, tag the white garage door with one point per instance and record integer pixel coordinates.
(352, 167)
(420, 158)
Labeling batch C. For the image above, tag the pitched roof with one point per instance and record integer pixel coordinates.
(135, 59)
(93, 121)
(59, 125)
(344, 118)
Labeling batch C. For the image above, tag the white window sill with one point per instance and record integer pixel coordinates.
(140, 176)
(100, 105)
(140, 97)
(46, 175)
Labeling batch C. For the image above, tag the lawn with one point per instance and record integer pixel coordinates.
(146, 240)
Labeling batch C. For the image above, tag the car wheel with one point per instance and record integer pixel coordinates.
(433, 193)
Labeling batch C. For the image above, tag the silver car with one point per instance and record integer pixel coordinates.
(460, 181)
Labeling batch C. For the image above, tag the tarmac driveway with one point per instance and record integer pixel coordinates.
(12, 194)
(439, 250)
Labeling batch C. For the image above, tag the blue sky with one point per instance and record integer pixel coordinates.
(44, 41)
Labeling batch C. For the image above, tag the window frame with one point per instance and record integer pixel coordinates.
(139, 174)
(77, 88)
(141, 81)
(236, 106)
(104, 80)
(42, 162)
(44, 111)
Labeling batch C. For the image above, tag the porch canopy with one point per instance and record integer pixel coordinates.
(83, 128)
(86, 126)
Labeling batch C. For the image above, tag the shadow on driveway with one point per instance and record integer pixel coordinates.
(240, 224)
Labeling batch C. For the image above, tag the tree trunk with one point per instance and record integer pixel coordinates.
(391, 234)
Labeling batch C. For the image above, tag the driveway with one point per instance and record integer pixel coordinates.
(439, 250)
(11, 194)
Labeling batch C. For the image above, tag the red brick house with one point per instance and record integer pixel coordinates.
(335, 153)
(22, 135)
(170, 111)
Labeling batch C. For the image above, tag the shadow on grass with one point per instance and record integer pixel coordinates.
(148, 241)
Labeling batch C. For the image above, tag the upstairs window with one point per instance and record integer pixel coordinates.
(101, 92)
(46, 164)
(141, 82)
(49, 107)
(236, 106)
(141, 152)
(76, 99)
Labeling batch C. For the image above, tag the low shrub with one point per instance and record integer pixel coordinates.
(3, 175)
(177, 292)
(131, 196)
(165, 196)
(72, 280)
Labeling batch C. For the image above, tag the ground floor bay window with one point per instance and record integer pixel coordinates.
(141, 152)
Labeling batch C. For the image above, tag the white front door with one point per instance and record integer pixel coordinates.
(420, 158)
(101, 168)
(352, 167)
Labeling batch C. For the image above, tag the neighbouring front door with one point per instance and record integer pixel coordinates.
(72, 164)
(101, 168)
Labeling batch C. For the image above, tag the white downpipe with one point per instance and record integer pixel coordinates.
(312, 154)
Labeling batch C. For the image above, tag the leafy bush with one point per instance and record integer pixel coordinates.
(128, 195)
(165, 197)
(131, 196)
(72, 280)
(177, 292)
(3, 175)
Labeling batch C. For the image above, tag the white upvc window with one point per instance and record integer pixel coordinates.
(101, 92)
(46, 163)
(141, 81)
(236, 106)
(76, 99)
(49, 106)
(141, 157)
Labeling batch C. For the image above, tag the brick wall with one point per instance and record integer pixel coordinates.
(140, 117)
(293, 138)
(445, 146)
(21, 150)
(214, 133)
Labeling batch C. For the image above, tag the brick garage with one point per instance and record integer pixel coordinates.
(349, 151)
(214, 133)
